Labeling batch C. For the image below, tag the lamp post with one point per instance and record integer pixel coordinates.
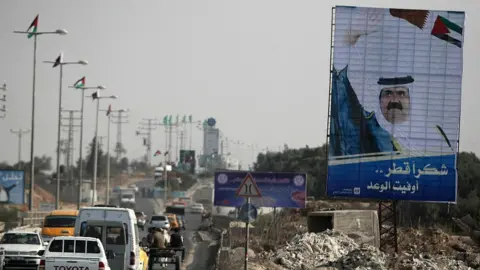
(80, 173)
(109, 112)
(32, 32)
(59, 62)
(95, 158)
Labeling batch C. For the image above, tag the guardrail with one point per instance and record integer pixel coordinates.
(34, 218)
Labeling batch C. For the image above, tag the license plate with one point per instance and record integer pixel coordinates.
(17, 258)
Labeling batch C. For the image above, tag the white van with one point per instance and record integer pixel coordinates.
(117, 229)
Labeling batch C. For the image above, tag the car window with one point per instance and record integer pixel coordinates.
(159, 218)
(92, 247)
(80, 246)
(59, 221)
(116, 235)
(92, 231)
(69, 246)
(20, 238)
(56, 246)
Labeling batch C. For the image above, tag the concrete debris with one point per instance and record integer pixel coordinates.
(335, 250)
(306, 251)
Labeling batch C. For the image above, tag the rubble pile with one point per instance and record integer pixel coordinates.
(308, 250)
(335, 250)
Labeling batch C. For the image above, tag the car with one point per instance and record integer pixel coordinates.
(141, 220)
(21, 249)
(197, 208)
(159, 221)
(87, 251)
(134, 187)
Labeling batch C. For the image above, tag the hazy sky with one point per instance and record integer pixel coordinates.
(261, 68)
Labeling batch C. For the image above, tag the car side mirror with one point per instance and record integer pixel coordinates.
(41, 252)
(110, 255)
(45, 244)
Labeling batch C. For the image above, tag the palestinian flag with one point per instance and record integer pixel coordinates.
(80, 83)
(443, 28)
(59, 60)
(109, 110)
(33, 27)
(157, 153)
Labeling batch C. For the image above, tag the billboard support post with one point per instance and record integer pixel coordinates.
(247, 235)
(387, 217)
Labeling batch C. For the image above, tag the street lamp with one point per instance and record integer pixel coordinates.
(80, 84)
(32, 32)
(97, 96)
(59, 62)
(3, 99)
(109, 112)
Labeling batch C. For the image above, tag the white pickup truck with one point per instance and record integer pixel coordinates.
(74, 253)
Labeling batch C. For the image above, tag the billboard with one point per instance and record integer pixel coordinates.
(395, 104)
(211, 141)
(187, 161)
(12, 186)
(277, 189)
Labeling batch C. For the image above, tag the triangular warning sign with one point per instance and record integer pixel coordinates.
(248, 188)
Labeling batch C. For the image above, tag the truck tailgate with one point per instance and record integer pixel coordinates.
(71, 263)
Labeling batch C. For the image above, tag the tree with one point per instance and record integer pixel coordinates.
(91, 157)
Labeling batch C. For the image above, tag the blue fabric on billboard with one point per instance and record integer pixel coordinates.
(12, 186)
(395, 104)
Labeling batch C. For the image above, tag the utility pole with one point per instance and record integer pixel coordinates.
(70, 117)
(119, 117)
(19, 133)
(148, 125)
(66, 145)
(3, 99)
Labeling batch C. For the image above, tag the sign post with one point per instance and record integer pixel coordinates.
(247, 189)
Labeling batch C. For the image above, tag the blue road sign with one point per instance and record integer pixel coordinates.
(211, 121)
(286, 190)
(248, 213)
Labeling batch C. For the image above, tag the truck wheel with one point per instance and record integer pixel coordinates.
(177, 262)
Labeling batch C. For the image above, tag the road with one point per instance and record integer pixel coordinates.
(195, 260)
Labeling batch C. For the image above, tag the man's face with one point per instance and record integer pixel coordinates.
(395, 104)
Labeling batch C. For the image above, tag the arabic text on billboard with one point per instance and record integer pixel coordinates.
(12, 184)
(395, 104)
(287, 190)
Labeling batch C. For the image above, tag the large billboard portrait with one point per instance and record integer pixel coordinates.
(395, 104)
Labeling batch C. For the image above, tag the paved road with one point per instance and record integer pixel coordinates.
(193, 221)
